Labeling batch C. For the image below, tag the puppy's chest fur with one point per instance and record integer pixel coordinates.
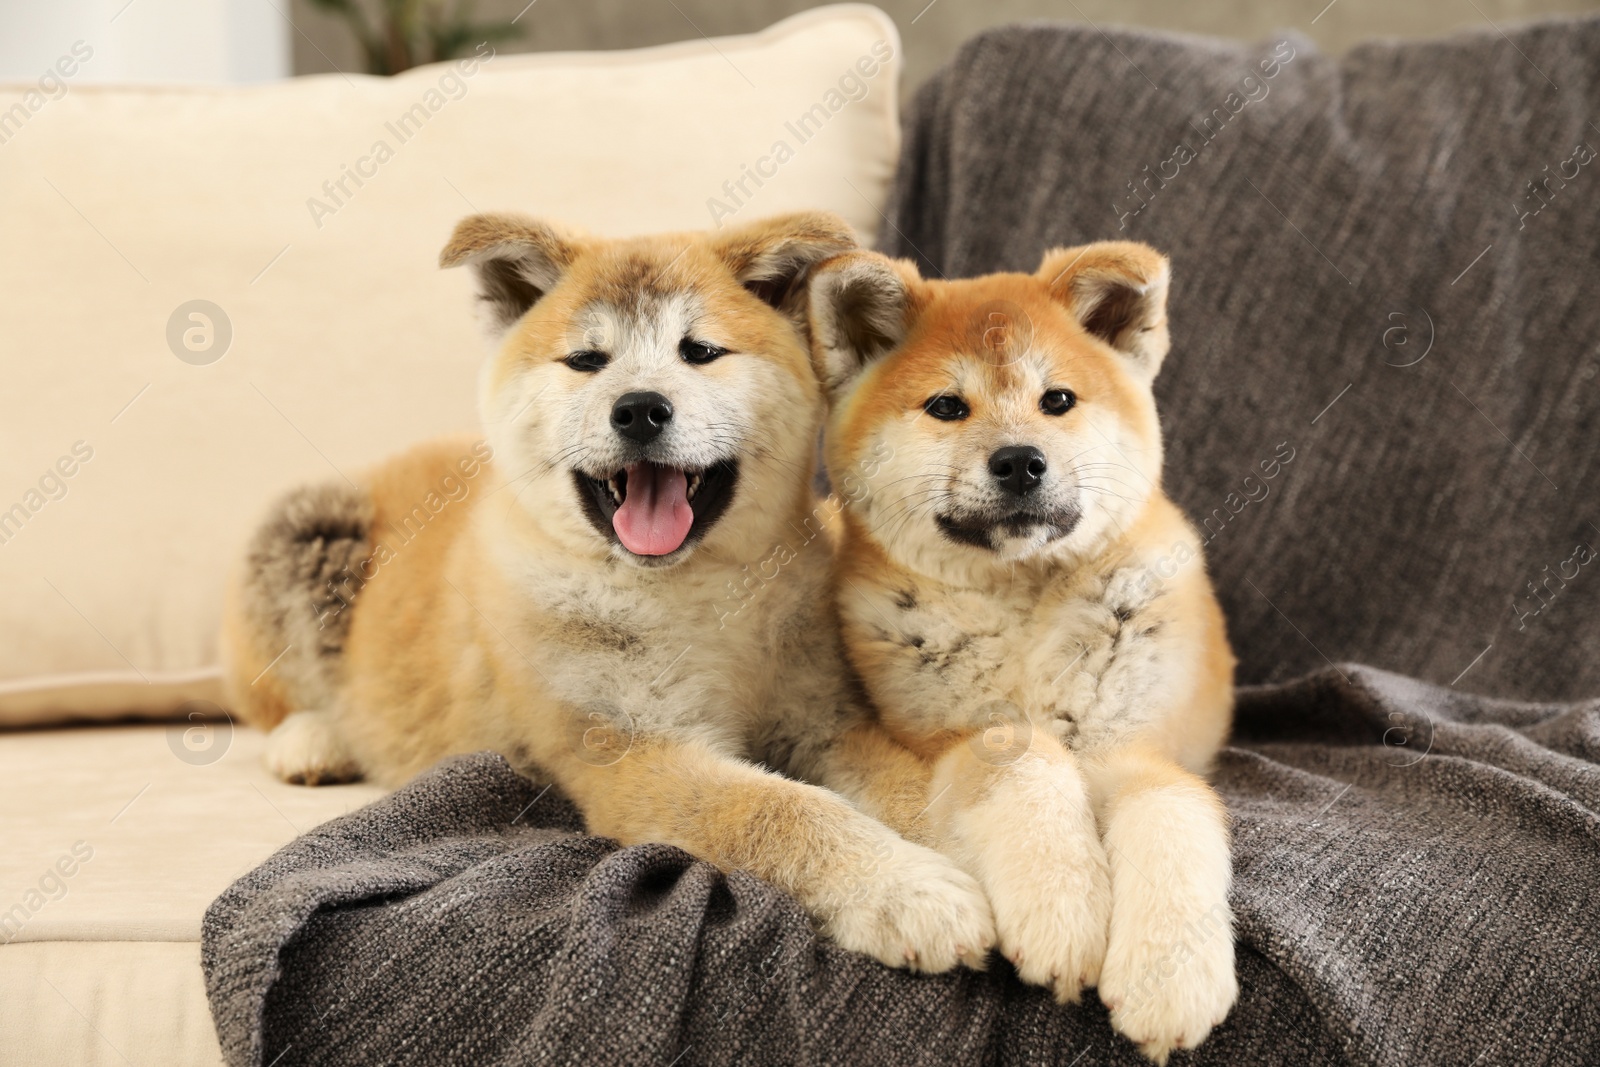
(1086, 656)
(669, 659)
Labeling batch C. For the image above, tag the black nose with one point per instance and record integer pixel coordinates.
(1018, 468)
(641, 416)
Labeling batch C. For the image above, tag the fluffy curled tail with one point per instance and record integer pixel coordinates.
(291, 604)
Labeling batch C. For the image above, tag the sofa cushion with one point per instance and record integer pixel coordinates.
(117, 838)
(126, 833)
(214, 293)
(105, 1003)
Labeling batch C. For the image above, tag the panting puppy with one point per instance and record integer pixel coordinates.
(1031, 613)
(652, 412)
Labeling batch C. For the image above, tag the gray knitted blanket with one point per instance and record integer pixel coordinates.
(1381, 404)
(1418, 882)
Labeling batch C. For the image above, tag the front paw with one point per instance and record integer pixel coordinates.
(1052, 914)
(306, 749)
(911, 907)
(1167, 986)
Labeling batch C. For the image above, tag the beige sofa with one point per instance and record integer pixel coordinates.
(210, 295)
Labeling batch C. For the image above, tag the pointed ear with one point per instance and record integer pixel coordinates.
(860, 309)
(773, 257)
(1117, 290)
(517, 260)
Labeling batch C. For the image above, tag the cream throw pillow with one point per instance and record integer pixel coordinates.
(209, 295)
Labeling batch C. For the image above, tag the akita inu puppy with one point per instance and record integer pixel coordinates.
(653, 413)
(1032, 614)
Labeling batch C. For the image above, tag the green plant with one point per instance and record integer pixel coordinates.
(408, 33)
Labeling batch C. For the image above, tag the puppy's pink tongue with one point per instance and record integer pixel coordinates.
(655, 516)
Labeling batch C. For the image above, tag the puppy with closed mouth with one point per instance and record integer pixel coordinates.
(1031, 613)
(652, 412)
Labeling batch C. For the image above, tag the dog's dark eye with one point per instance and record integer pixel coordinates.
(699, 352)
(588, 360)
(1058, 401)
(947, 407)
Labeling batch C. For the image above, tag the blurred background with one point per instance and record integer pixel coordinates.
(245, 41)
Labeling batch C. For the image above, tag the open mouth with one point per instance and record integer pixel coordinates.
(654, 510)
(985, 531)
